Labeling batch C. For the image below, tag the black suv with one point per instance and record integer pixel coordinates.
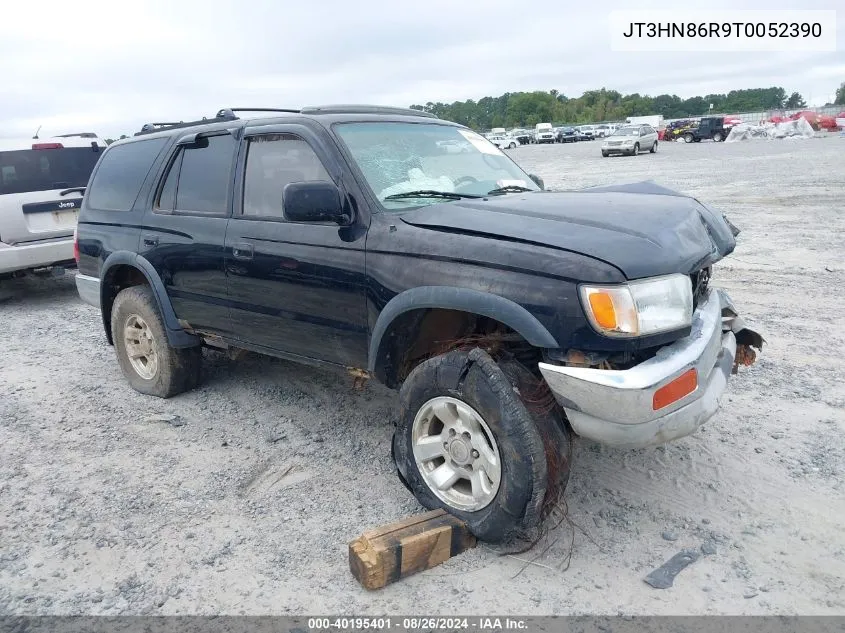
(357, 237)
(710, 127)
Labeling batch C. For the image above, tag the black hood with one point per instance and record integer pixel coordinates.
(642, 229)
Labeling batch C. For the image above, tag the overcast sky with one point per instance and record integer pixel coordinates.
(109, 66)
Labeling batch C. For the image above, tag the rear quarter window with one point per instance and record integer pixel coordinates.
(121, 174)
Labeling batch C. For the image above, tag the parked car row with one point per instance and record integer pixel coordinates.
(547, 133)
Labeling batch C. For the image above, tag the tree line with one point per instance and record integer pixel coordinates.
(526, 109)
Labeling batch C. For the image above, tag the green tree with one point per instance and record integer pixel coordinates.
(525, 109)
(795, 101)
(840, 95)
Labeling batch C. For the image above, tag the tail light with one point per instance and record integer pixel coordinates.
(47, 146)
(76, 245)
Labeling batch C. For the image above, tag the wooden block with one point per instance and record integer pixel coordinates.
(385, 554)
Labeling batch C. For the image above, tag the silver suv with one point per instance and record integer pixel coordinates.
(41, 187)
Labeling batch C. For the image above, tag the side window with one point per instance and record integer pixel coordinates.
(273, 161)
(167, 197)
(121, 174)
(199, 178)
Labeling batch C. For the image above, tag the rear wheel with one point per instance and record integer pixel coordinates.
(717, 137)
(467, 443)
(653, 147)
(604, 154)
(148, 362)
(512, 145)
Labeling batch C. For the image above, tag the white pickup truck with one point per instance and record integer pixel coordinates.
(41, 186)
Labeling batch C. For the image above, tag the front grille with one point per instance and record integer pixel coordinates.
(700, 281)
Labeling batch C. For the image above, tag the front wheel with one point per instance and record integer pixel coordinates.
(149, 363)
(636, 149)
(717, 137)
(604, 154)
(467, 443)
(688, 138)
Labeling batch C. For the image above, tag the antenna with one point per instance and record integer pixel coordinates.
(37, 131)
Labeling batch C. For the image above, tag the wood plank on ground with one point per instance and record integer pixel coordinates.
(387, 553)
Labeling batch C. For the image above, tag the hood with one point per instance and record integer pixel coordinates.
(642, 229)
(622, 137)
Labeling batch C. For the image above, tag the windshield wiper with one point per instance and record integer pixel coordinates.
(431, 193)
(72, 190)
(508, 189)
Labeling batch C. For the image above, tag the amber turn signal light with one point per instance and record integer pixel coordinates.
(603, 311)
(682, 386)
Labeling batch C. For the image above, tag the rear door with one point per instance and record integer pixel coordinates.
(35, 203)
(295, 288)
(183, 231)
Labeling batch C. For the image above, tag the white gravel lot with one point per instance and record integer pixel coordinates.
(248, 507)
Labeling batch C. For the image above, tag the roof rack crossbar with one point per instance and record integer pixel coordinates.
(293, 110)
(149, 128)
(228, 114)
(366, 109)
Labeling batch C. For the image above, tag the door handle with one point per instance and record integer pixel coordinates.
(150, 241)
(242, 251)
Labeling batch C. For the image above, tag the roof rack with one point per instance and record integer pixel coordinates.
(149, 128)
(227, 111)
(224, 114)
(365, 109)
(228, 114)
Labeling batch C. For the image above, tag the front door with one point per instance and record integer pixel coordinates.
(295, 288)
(183, 233)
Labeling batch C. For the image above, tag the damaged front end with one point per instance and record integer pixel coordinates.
(746, 338)
(665, 397)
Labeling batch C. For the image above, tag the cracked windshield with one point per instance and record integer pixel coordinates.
(412, 164)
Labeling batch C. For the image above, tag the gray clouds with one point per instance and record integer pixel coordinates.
(110, 66)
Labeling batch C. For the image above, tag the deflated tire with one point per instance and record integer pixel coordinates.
(466, 442)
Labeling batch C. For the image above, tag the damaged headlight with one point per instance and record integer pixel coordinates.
(648, 306)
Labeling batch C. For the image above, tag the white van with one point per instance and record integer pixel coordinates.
(544, 133)
(41, 188)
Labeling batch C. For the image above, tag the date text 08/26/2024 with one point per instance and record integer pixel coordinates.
(416, 623)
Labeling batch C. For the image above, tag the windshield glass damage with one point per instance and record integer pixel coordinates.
(399, 160)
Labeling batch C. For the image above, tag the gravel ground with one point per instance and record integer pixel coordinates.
(247, 503)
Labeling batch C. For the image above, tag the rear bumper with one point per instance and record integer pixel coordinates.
(88, 289)
(25, 256)
(615, 407)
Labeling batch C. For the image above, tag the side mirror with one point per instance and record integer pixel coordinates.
(315, 201)
(537, 181)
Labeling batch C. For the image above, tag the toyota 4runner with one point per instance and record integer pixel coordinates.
(509, 317)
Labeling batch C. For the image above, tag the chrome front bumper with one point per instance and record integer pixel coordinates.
(615, 407)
